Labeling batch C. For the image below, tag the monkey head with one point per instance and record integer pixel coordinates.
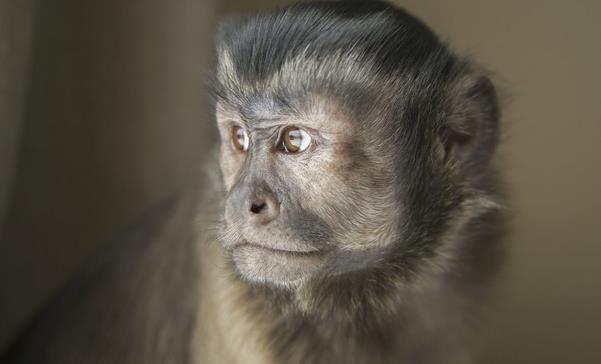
(352, 142)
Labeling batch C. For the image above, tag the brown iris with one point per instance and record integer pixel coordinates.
(240, 138)
(294, 140)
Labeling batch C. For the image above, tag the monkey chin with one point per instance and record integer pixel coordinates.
(265, 265)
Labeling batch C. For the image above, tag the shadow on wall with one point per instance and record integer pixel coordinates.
(16, 26)
(115, 118)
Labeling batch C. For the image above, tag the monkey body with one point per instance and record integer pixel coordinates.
(358, 218)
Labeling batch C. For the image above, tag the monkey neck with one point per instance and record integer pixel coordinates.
(354, 323)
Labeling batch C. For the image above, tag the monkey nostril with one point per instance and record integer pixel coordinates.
(257, 208)
(264, 209)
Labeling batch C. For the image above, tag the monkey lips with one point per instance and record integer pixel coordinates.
(262, 263)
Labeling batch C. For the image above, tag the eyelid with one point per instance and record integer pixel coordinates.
(231, 123)
(311, 131)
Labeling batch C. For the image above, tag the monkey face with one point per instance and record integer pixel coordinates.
(347, 146)
(305, 195)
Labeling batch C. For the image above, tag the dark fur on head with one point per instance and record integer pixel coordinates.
(423, 126)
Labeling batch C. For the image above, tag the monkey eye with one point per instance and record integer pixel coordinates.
(294, 140)
(240, 138)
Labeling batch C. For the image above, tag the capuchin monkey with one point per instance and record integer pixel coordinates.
(358, 209)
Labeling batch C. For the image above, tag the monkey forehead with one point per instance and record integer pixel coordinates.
(316, 111)
(303, 70)
(328, 93)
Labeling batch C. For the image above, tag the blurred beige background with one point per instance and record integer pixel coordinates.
(103, 112)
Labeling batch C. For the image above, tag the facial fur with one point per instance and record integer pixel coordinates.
(402, 132)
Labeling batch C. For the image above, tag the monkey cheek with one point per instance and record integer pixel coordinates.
(283, 268)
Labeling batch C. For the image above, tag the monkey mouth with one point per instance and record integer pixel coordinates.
(266, 264)
(291, 250)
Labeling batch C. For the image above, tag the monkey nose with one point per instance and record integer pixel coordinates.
(264, 208)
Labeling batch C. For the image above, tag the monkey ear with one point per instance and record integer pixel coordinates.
(470, 131)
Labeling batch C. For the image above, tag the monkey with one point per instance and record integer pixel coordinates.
(354, 218)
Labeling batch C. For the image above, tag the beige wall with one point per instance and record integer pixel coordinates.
(116, 118)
